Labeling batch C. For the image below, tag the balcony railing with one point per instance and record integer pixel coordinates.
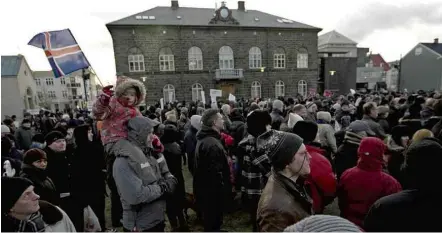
(73, 85)
(222, 74)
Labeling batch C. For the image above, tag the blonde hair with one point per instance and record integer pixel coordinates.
(421, 134)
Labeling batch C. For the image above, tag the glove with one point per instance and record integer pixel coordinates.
(162, 185)
(168, 185)
(106, 94)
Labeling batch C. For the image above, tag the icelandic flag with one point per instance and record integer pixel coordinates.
(62, 51)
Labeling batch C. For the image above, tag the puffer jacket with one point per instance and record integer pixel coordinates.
(326, 136)
(137, 171)
(282, 204)
(375, 127)
(114, 114)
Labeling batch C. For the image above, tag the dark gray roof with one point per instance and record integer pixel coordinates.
(11, 65)
(190, 16)
(334, 37)
(436, 47)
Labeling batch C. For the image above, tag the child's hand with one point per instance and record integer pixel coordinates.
(107, 91)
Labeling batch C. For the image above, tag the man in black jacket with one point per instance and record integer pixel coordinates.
(211, 183)
(190, 140)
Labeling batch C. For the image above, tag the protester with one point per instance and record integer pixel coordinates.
(370, 117)
(190, 141)
(22, 211)
(397, 143)
(421, 134)
(277, 111)
(326, 133)
(284, 200)
(23, 135)
(38, 141)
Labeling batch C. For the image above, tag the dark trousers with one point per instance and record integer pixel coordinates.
(252, 207)
(158, 228)
(74, 211)
(98, 205)
(116, 207)
(212, 211)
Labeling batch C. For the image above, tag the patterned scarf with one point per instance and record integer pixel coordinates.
(352, 138)
(34, 223)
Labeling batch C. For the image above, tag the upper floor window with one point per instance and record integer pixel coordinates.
(37, 82)
(40, 95)
(62, 81)
(279, 58)
(51, 94)
(226, 58)
(64, 94)
(302, 58)
(167, 62)
(255, 61)
(50, 82)
(136, 60)
(279, 89)
(196, 92)
(195, 57)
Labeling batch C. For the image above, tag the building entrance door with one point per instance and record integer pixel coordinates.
(227, 88)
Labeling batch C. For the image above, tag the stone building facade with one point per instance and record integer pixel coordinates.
(185, 50)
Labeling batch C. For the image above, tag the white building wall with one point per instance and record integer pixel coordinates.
(12, 102)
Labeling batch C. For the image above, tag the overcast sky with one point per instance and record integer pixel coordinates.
(390, 27)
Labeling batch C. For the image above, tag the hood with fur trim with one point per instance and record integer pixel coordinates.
(123, 83)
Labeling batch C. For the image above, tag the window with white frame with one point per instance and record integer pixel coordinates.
(64, 94)
(279, 89)
(196, 92)
(195, 56)
(40, 95)
(255, 60)
(62, 81)
(50, 82)
(169, 93)
(37, 82)
(302, 59)
(226, 58)
(279, 58)
(302, 88)
(167, 62)
(136, 60)
(256, 90)
(51, 95)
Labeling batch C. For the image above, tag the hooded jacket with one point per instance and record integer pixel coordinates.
(137, 170)
(360, 186)
(24, 138)
(114, 114)
(43, 185)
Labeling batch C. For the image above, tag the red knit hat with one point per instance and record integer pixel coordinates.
(371, 147)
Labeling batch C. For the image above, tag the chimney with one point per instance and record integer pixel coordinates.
(241, 6)
(175, 4)
(436, 40)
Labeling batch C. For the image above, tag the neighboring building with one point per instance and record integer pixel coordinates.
(18, 87)
(339, 57)
(373, 75)
(180, 51)
(363, 57)
(63, 93)
(421, 67)
(391, 79)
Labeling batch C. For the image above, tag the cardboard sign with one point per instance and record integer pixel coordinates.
(352, 91)
(216, 93)
(203, 97)
(328, 93)
(312, 91)
(232, 97)
(162, 103)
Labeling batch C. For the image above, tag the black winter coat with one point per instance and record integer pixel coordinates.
(43, 185)
(59, 170)
(211, 182)
(172, 153)
(347, 155)
(189, 147)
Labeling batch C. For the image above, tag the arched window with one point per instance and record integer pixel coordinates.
(256, 89)
(167, 62)
(169, 93)
(195, 57)
(279, 89)
(302, 88)
(279, 58)
(136, 60)
(302, 58)
(196, 92)
(226, 58)
(255, 61)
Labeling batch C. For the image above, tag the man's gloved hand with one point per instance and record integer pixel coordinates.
(163, 185)
(106, 94)
(167, 185)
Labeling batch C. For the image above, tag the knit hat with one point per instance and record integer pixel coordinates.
(53, 136)
(38, 138)
(325, 116)
(293, 119)
(257, 122)
(13, 188)
(278, 104)
(371, 148)
(195, 121)
(284, 150)
(399, 131)
(323, 223)
(33, 155)
(170, 116)
(360, 126)
(307, 130)
(207, 117)
(5, 129)
(383, 110)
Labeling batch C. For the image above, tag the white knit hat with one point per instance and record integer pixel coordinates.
(323, 223)
(293, 118)
(5, 129)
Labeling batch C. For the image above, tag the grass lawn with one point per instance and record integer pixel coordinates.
(237, 221)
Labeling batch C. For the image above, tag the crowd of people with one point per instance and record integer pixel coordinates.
(284, 160)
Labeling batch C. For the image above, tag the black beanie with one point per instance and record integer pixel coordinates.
(53, 136)
(284, 153)
(257, 122)
(38, 138)
(12, 189)
(207, 117)
(307, 130)
(33, 155)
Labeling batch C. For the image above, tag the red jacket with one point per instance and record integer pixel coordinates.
(361, 186)
(321, 181)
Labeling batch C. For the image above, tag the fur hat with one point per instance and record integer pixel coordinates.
(293, 119)
(323, 223)
(278, 104)
(13, 188)
(33, 155)
(123, 83)
(325, 116)
(307, 130)
(195, 121)
(53, 136)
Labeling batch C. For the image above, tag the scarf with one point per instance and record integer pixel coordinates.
(34, 223)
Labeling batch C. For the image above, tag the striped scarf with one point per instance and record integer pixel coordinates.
(34, 223)
(352, 138)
